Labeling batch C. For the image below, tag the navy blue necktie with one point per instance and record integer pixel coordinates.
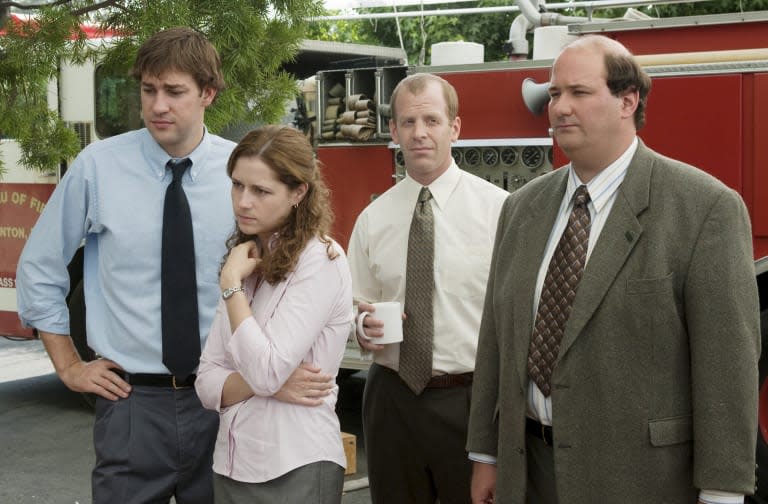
(181, 329)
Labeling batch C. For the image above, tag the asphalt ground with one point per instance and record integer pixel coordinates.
(46, 448)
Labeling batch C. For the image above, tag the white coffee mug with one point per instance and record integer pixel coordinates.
(391, 314)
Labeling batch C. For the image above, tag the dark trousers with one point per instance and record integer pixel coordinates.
(415, 444)
(155, 444)
(316, 483)
(541, 472)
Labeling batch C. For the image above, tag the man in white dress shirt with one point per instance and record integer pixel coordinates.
(415, 438)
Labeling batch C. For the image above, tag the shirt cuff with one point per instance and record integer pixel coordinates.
(705, 496)
(482, 457)
(718, 497)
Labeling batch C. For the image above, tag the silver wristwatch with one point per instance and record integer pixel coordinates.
(228, 293)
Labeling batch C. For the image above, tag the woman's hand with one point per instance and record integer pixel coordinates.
(242, 261)
(306, 386)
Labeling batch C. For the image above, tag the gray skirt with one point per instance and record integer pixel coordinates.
(318, 482)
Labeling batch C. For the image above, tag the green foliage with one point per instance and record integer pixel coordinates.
(46, 141)
(254, 38)
(491, 30)
(690, 9)
(344, 31)
(419, 33)
(29, 54)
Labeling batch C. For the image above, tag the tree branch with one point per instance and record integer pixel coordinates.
(8, 4)
(95, 7)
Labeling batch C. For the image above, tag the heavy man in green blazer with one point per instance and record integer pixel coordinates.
(649, 395)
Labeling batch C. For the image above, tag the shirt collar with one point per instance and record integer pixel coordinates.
(158, 158)
(441, 188)
(602, 187)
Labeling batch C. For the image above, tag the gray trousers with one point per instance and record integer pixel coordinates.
(541, 472)
(316, 483)
(415, 444)
(155, 444)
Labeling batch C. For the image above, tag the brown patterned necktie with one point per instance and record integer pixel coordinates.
(419, 325)
(557, 294)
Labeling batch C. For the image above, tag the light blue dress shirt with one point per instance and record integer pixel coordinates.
(112, 197)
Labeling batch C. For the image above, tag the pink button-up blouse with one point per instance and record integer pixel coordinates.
(305, 318)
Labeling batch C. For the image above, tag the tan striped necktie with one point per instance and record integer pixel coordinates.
(557, 294)
(419, 325)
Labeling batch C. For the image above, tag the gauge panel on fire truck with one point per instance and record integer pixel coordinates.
(472, 156)
(507, 162)
(490, 156)
(508, 156)
(533, 156)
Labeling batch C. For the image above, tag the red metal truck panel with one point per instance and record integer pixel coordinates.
(20, 206)
(760, 165)
(491, 106)
(698, 120)
(722, 37)
(9, 322)
(356, 175)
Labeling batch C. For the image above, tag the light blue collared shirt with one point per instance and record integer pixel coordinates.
(112, 197)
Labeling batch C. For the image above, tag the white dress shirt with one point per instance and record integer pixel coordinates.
(466, 210)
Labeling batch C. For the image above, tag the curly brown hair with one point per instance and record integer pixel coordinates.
(290, 156)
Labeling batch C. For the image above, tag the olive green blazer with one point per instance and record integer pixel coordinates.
(655, 387)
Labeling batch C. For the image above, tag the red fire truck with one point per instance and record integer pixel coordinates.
(708, 107)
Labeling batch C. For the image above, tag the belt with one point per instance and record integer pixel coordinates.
(450, 380)
(157, 380)
(539, 430)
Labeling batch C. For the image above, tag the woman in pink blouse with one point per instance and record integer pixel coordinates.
(287, 302)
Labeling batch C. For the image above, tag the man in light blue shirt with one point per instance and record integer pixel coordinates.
(153, 439)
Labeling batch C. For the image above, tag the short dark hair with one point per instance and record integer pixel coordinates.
(623, 73)
(181, 49)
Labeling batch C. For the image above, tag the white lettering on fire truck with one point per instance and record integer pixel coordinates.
(13, 232)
